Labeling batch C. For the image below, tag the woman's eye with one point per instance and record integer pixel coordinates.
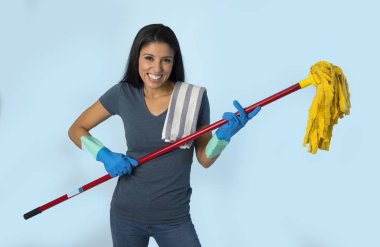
(149, 58)
(167, 60)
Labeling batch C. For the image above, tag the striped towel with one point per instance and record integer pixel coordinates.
(182, 116)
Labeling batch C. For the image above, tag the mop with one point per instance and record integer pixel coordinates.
(331, 102)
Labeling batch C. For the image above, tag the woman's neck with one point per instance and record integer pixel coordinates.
(165, 90)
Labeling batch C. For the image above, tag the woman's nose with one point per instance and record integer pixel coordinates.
(157, 66)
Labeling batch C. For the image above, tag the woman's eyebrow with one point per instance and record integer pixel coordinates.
(148, 54)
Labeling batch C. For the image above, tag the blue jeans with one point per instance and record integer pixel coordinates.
(126, 233)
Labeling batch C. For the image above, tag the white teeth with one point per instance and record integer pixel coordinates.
(154, 77)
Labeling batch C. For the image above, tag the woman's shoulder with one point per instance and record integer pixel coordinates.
(187, 84)
(125, 86)
(129, 91)
(122, 88)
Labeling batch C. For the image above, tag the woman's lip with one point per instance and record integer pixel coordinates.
(155, 78)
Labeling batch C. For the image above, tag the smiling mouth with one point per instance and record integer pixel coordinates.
(155, 77)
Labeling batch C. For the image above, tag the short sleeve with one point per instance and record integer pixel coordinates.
(110, 100)
(204, 112)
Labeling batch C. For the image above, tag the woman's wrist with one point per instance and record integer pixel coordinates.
(91, 144)
(215, 147)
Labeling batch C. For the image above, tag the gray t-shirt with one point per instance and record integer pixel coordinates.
(158, 191)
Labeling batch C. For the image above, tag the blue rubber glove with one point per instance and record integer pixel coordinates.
(116, 164)
(235, 123)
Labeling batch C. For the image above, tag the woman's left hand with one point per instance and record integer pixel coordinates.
(235, 122)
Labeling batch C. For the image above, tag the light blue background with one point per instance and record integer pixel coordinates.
(58, 57)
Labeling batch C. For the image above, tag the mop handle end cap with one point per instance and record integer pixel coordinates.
(32, 213)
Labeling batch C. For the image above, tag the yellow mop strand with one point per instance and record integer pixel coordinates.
(331, 102)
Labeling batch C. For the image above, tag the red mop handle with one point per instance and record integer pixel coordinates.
(161, 151)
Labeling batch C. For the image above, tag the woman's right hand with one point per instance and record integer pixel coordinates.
(116, 164)
(235, 122)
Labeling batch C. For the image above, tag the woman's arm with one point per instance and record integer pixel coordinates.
(200, 149)
(91, 117)
(222, 135)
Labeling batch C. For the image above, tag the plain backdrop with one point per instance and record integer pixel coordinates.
(266, 190)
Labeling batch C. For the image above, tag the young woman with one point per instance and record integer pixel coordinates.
(153, 200)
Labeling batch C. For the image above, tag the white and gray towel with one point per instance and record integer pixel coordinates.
(182, 116)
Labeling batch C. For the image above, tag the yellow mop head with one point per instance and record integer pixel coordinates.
(331, 102)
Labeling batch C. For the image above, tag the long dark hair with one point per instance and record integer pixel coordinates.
(147, 34)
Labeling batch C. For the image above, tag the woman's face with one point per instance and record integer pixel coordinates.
(155, 64)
